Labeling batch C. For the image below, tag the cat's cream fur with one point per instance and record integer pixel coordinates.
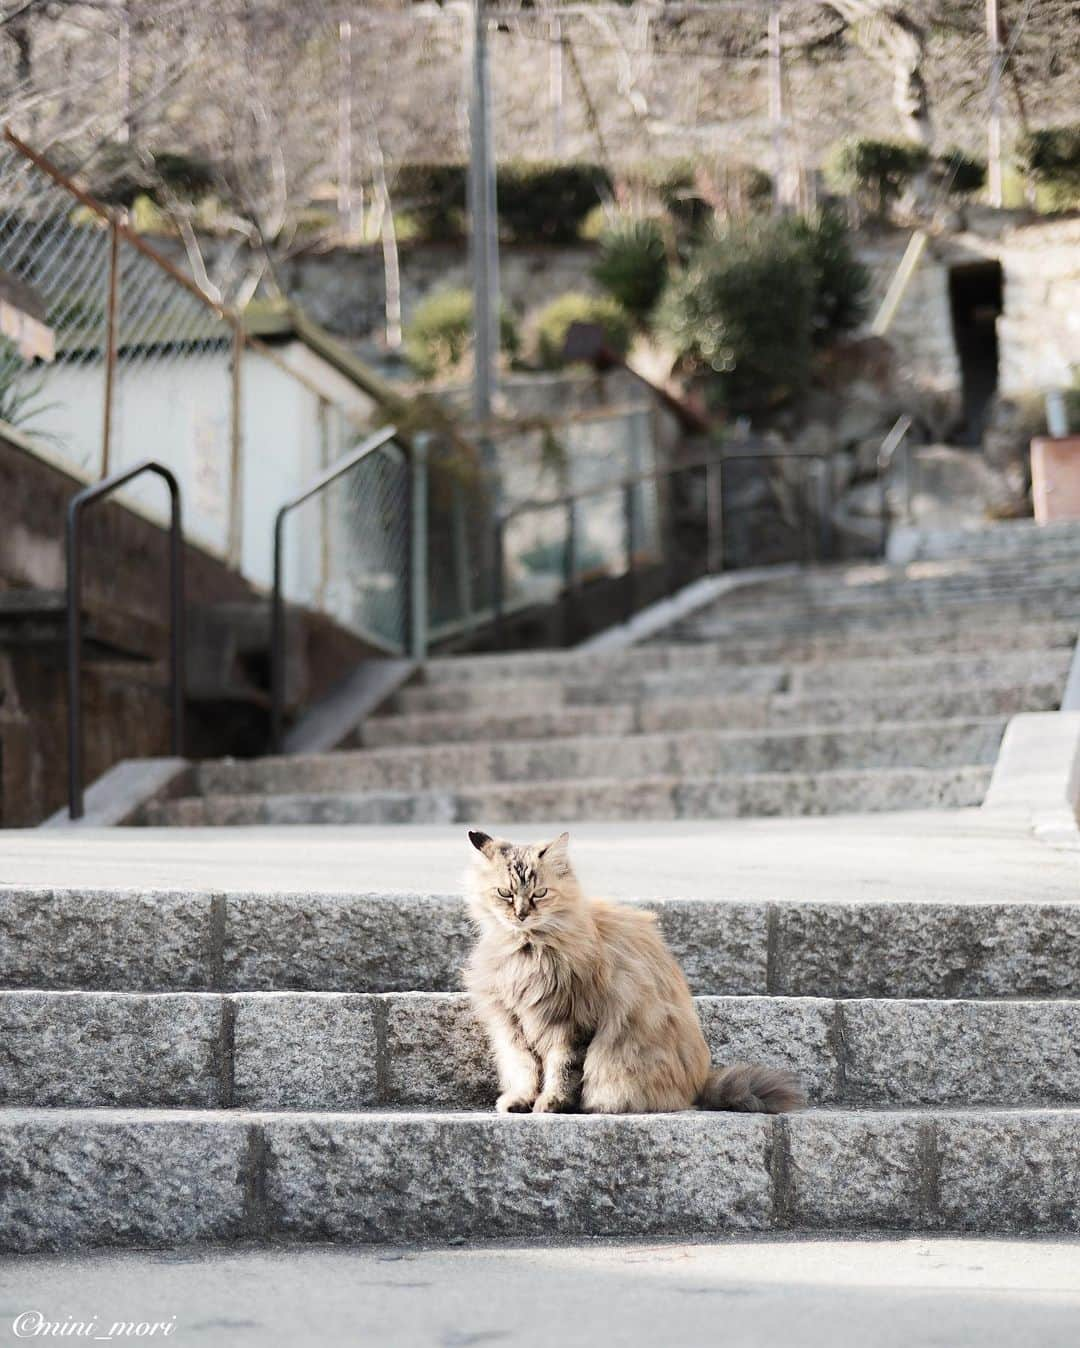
(584, 1005)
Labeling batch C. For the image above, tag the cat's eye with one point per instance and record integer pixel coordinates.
(504, 893)
(539, 893)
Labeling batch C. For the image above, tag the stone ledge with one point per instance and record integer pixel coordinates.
(81, 1178)
(131, 940)
(346, 1051)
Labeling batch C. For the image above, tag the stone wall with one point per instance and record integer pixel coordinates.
(125, 693)
(344, 290)
(1039, 332)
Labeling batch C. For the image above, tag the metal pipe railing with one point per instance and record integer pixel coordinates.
(74, 536)
(277, 610)
(712, 464)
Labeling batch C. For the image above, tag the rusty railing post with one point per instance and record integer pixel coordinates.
(111, 316)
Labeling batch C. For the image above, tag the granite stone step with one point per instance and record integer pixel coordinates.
(83, 1178)
(347, 1051)
(744, 712)
(1009, 603)
(129, 940)
(552, 685)
(734, 796)
(666, 653)
(538, 763)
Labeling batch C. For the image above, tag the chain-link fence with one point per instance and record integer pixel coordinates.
(109, 355)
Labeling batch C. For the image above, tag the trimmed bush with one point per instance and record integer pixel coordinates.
(537, 203)
(1051, 158)
(440, 335)
(841, 283)
(876, 171)
(554, 320)
(547, 203)
(963, 174)
(633, 265)
(743, 309)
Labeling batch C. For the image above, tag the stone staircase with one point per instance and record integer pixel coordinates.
(814, 691)
(211, 1064)
(196, 1066)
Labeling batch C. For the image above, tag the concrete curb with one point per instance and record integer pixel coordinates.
(119, 794)
(1036, 778)
(87, 1178)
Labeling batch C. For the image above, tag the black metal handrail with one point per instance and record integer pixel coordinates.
(713, 465)
(277, 611)
(76, 506)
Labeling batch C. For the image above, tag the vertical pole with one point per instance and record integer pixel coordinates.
(177, 617)
(555, 87)
(569, 572)
(714, 515)
(993, 155)
(498, 580)
(483, 237)
(110, 344)
(346, 223)
(277, 639)
(74, 662)
(418, 556)
(776, 107)
(236, 452)
(123, 75)
(825, 533)
(462, 571)
(631, 548)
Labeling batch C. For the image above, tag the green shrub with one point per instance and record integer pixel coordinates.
(633, 265)
(743, 308)
(840, 282)
(1051, 158)
(440, 335)
(537, 203)
(554, 320)
(547, 203)
(433, 196)
(960, 173)
(876, 171)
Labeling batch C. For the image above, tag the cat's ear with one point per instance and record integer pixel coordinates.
(556, 849)
(481, 842)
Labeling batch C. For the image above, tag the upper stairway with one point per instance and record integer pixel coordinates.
(794, 691)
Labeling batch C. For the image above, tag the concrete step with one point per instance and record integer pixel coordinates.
(551, 686)
(162, 941)
(346, 1051)
(1010, 602)
(736, 796)
(716, 713)
(672, 652)
(1011, 538)
(924, 744)
(80, 1178)
(684, 643)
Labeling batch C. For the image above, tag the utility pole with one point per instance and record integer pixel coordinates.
(555, 87)
(483, 237)
(346, 218)
(993, 155)
(776, 108)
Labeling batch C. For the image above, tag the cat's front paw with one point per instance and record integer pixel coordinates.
(509, 1103)
(549, 1103)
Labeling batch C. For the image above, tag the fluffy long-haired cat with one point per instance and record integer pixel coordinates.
(584, 1005)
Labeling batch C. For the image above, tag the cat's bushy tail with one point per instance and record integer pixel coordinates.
(752, 1089)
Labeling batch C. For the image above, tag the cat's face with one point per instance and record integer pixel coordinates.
(521, 887)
